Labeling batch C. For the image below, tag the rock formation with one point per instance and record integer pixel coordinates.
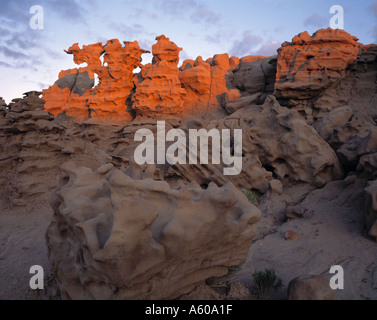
(310, 287)
(318, 61)
(160, 89)
(371, 208)
(116, 237)
(122, 231)
(276, 142)
(2, 103)
(33, 145)
(255, 74)
(74, 93)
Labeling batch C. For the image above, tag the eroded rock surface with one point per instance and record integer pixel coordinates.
(309, 64)
(74, 93)
(160, 89)
(33, 145)
(116, 237)
(277, 142)
(127, 231)
(371, 208)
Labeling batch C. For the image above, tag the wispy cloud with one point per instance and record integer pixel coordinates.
(204, 15)
(197, 11)
(12, 53)
(315, 20)
(19, 11)
(220, 36)
(268, 49)
(5, 65)
(137, 13)
(373, 9)
(129, 31)
(245, 45)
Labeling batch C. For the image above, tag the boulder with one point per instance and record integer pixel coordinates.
(310, 287)
(371, 208)
(309, 64)
(116, 237)
(255, 74)
(242, 102)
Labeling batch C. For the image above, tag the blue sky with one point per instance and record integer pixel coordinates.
(31, 59)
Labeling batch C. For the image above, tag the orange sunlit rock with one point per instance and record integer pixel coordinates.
(160, 89)
(75, 93)
(309, 64)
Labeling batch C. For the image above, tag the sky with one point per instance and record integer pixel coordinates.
(31, 59)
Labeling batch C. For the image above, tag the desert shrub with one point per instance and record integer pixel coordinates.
(224, 280)
(251, 195)
(266, 282)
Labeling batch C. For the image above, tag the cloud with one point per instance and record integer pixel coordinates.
(197, 11)
(183, 56)
(9, 53)
(14, 10)
(268, 49)
(146, 44)
(175, 7)
(128, 32)
(220, 36)
(246, 45)
(16, 14)
(204, 14)
(374, 32)
(373, 8)
(315, 20)
(5, 65)
(70, 10)
(137, 13)
(22, 41)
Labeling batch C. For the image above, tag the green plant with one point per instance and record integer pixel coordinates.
(265, 282)
(251, 195)
(224, 280)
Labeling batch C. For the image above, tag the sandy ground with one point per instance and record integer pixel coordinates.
(22, 245)
(331, 232)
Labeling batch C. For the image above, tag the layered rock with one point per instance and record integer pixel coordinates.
(74, 93)
(116, 80)
(117, 237)
(276, 142)
(371, 208)
(309, 64)
(33, 146)
(2, 103)
(195, 77)
(357, 89)
(160, 89)
(354, 138)
(23, 120)
(206, 82)
(255, 74)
